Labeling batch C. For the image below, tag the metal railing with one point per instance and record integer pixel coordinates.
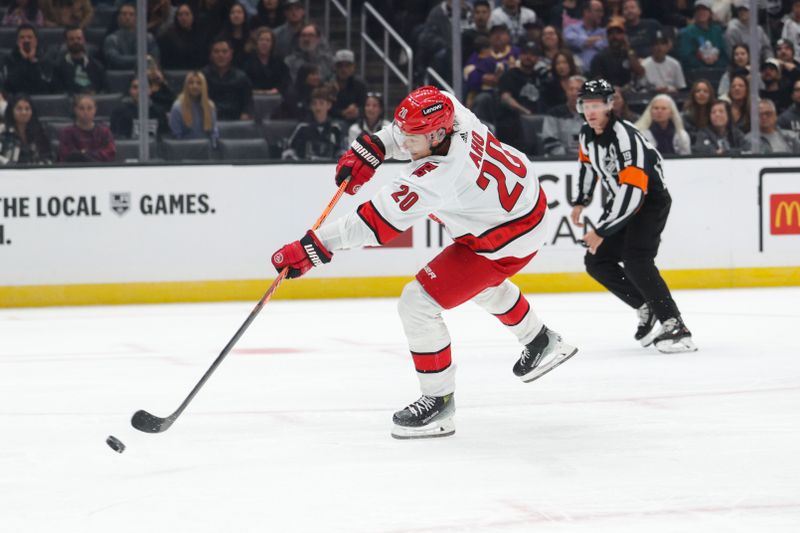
(343, 10)
(383, 52)
(431, 73)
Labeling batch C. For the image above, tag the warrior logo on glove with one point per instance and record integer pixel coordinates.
(360, 162)
(301, 256)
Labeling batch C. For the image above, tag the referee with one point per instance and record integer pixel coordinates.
(623, 247)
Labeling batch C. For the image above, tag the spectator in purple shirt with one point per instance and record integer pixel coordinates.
(589, 36)
(86, 141)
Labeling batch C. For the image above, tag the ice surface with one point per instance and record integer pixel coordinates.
(292, 433)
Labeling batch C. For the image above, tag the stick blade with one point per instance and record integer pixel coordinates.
(144, 421)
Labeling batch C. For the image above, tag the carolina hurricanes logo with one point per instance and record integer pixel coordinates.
(277, 258)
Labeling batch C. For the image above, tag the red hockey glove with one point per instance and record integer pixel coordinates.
(301, 255)
(360, 162)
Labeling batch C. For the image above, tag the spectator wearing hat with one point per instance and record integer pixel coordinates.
(228, 87)
(791, 28)
(351, 91)
(775, 89)
(515, 17)
(641, 31)
(618, 63)
(790, 119)
(25, 71)
(790, 67)
(773, 139)
(587, 37)
(702, 43)
(311, 49)
(663, 73)
(520, 90)
(286, 34)
(738, 30)
(267, 72)
(480, 26)
(319, 138)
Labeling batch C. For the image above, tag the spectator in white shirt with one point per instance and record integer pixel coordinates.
(515, 17)
(791, 28)
(663, 73)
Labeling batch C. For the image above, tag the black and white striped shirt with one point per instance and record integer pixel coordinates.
(629, 167)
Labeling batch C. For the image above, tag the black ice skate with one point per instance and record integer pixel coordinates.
(647, 330)
(428, 417)
(545, 352)
(674, 337)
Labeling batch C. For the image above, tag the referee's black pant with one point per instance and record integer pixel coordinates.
(637, 280)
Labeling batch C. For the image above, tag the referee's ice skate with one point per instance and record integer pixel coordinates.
(648, 326)
(545, 352)
(674, 337)
(428, 417)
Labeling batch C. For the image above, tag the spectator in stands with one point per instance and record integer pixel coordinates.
(158, 13)
(662, 73)
(739, 98)
(620, 107)
(372, 118)
(434, 43)
(351, 91)
(790, 119)
(552, 43)
(514, 17)
(125, 117)
(311, 49)
(661, 124)
(641, 31)
(481, 74)
(161, 94)
(62, 13)
(790, 67)
(502, 49)
(555, 88)
(228, 87)
(184, 44)
(236, 31)
(286, 34)
(697, 107)
(740, 64)
(587, 37)
(775, 88)
(296, 104)
(268, 13)
(720, 137)
(675, 13)
(212, 14)
(791, 28)
(23, 140)
(320, 138)
(702, 43)
(24, 12)
(563, 124)
(86, 141)
(617, 63)
(75, 71)
(120, 46)
(565, 13)
(773, 139)
(194, 115)
(267, 72)
(480, 26)
(24, 71)
(520, 90)
(738, 31)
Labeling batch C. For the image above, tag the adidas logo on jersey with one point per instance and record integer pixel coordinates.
(312, 254)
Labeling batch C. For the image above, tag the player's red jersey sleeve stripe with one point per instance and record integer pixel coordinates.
(432, 361)
(497, 237)
(383, 231)
(514, 316)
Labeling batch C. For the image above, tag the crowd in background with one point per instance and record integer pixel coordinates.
(681, 68)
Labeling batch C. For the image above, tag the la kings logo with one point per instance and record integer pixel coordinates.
(120, 202)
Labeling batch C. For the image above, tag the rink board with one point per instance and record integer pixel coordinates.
(205, 233)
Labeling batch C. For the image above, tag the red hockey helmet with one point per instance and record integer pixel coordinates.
(425, 110)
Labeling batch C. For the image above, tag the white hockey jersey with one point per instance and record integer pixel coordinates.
(484, 192)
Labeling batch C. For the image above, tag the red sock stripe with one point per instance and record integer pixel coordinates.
(383, 231)
(432, 361)
(519, 311)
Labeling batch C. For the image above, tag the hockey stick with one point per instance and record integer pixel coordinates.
(149, 423)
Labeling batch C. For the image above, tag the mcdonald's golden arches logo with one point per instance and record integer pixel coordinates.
(784, 214)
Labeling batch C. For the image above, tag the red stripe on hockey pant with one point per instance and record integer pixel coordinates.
(497, 237)
(433, 361)
(458, 274)
(519, 311)
(383, 231)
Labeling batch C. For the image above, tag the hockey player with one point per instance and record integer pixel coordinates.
(487, 196)
(629, 231)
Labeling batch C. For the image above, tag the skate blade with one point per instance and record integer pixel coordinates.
(681, 346)
(436, 429)
(562, 353)
(648, 339)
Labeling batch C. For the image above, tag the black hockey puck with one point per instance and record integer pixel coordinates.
(115, 444)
